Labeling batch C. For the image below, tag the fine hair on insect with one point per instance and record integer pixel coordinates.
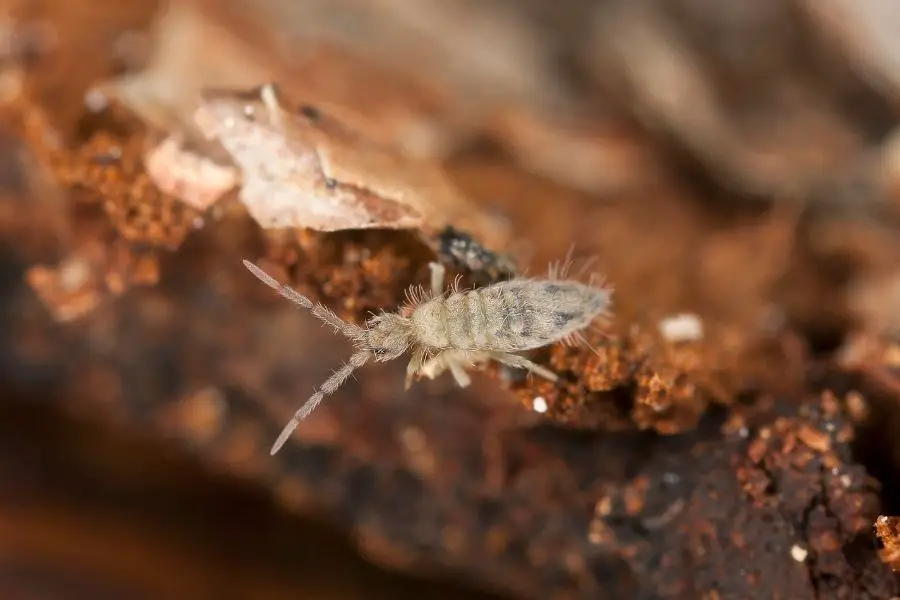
(454, 329)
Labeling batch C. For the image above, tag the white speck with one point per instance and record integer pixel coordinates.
(74, 273)
(799, 553)
(539, 405)
(248, 110)
(743, 432)
(95, 100)
(846, 481)
(684, 327)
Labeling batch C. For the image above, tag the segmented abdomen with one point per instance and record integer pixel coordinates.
(510, 316)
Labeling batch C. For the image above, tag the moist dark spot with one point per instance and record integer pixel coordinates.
(552, 288)
(461, 249)
(561, 318)
(330, 183)
(311, 112)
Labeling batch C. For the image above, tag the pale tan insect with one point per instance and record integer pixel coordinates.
(449, 331)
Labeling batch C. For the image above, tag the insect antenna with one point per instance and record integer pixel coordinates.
(330, 386)
(283, 290)
(318, 310)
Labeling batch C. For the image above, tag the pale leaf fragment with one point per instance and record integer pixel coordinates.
(196, 180)
(309, 171)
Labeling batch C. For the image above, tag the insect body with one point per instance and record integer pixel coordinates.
(449, 331)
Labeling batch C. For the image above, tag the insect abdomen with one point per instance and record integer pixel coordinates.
(510, 316)
(538, 313)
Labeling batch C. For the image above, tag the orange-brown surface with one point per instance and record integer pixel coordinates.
(731, 432)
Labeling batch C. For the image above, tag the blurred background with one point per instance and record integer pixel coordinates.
(732, 168)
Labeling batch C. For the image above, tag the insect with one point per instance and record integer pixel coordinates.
(447, 331)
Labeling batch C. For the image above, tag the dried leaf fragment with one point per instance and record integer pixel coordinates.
(196, 180)
(307, 170)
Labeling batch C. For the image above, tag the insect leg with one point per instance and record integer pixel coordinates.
(520, 362)
(440, 363)
(437, 278)
(414, 366)
(449, 359)
(459, 372)
(329, 387)
(435, 365)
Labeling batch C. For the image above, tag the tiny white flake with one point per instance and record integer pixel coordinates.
(539, 405)
(799, 553)
(684, 327)
(672, 478)
(95, 100)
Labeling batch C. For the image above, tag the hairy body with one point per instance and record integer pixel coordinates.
(511, 316)
(459, 329)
